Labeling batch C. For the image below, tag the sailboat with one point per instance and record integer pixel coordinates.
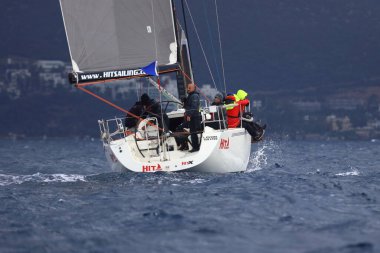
(132, 39)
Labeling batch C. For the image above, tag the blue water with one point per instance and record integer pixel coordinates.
(60, 196)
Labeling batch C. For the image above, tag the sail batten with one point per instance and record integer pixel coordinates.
(104, 35)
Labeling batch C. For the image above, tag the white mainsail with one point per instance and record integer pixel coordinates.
(113, 34)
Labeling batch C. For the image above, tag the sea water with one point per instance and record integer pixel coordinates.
(60, 196)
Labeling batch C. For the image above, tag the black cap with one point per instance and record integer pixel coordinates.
(220, 96)
(145, 99)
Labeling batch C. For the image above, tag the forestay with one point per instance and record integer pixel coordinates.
(108, 35)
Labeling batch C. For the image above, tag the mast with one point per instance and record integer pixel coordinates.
(185, 75)
(176, 29)
(184, 18)
(181, 83)
(186, 33)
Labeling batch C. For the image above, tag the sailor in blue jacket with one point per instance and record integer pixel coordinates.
(192, 117)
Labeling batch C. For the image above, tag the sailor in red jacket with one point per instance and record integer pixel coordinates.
(234, 112)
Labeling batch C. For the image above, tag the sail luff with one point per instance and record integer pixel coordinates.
(174, 26)
(67, 38)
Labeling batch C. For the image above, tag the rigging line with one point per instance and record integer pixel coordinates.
(164, 91)
(138, 90)
(221, 48)
(211, 42)
(158, 75)
(200, 42)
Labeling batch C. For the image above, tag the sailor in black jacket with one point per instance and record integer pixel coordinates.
(151, 108)
(192, 116)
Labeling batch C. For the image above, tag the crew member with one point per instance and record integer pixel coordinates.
(238, 117)
(192, 118)
(219, 118)
(151, 108)
(136, 109)
(238, 103)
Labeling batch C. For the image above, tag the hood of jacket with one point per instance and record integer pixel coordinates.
(241, 94)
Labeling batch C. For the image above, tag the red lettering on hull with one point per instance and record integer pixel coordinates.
(113, 158)
(151, 168)
(224, 144)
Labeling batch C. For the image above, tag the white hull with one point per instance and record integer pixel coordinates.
(221, 151)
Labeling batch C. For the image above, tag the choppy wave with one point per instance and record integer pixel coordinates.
(40, 178)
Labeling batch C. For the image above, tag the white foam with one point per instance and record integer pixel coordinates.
(353, 172)
(39, 177)
(259, 159)
(197, 181)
